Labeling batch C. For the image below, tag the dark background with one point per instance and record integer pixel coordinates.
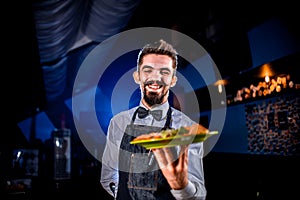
(223, 30)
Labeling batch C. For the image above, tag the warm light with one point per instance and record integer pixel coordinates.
(278, 88)
(267, 79)
(266, 70)
(220, 88)
(278, 80)
(221, 82)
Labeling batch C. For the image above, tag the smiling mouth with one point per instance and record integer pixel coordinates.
(154, 88)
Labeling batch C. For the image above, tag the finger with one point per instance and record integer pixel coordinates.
(170, 154)
(183, 149)
(160, 157)
(183, 158)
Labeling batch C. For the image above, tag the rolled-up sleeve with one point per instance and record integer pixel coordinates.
(196, 188)
(109, 169)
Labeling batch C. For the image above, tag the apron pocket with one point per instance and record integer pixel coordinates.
(143, 172)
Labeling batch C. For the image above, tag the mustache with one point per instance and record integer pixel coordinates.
(150, 82)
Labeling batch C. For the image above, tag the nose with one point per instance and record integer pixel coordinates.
(156, 75)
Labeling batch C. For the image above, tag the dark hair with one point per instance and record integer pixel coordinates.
(159, 47)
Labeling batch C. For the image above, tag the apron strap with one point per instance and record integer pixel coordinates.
(168, 121)
(134, 116)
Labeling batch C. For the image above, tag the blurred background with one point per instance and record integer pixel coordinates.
(254, 46)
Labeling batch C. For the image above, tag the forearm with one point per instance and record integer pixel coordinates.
(196, 186)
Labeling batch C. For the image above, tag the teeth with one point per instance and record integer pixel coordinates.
(154, 87)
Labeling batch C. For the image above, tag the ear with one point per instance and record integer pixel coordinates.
(136, 77)
(174, 80)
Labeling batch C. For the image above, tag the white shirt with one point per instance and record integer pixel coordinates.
(109, 172)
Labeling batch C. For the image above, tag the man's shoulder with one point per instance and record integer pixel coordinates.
(124, 114)
(181, 118)
(176, 111)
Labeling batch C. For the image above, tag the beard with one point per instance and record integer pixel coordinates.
(153, 98)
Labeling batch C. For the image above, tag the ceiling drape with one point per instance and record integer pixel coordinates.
(64, 25)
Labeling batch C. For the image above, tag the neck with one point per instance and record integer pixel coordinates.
(153, 106)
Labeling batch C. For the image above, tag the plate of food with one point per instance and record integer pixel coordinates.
(174, 137)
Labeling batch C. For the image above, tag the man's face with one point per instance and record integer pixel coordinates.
(156, 76)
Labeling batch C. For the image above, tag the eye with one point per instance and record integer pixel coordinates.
(165, 72)
(147, 71)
